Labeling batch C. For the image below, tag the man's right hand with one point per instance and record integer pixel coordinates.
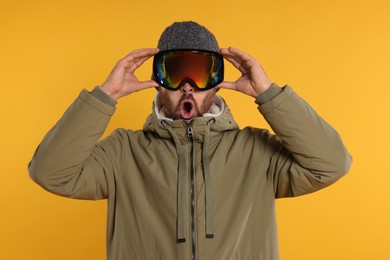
(122, 80)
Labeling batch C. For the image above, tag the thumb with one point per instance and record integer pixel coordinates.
(147, 84)
(227, 85)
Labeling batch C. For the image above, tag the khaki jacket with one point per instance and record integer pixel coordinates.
(190, 190)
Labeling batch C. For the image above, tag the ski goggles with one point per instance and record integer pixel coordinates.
(202, 69)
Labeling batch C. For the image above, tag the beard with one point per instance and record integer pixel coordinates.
(186, 107)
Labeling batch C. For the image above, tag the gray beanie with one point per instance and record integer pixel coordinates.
(187, 35)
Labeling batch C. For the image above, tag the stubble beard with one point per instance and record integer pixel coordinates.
(173, 110)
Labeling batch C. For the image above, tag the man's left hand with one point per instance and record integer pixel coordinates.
(253, 80)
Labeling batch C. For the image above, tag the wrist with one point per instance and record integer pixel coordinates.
(103, 96)
(270, 93)
(263, 87)
(112, 95)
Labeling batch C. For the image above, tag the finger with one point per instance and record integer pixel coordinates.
(224, 51)
(147, 84)
(247, 61)
(135, 55)
(137, 63)
(234, 60)
(243, 56)
(228, 54)
(235, 63)
(140, 53)
(227, 85)
(135, 59)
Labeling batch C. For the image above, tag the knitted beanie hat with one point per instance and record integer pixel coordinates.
(187, 35)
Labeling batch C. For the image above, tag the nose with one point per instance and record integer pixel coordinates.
(187, 88)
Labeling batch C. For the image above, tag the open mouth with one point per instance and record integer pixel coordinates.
(187, 109)
(187, 106)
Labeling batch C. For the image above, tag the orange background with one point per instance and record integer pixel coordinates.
(334, 53)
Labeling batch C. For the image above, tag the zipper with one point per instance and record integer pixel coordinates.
(192, 191)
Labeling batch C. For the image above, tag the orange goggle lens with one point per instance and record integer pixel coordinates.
(202, 69)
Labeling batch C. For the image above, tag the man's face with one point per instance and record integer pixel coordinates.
(187, 102)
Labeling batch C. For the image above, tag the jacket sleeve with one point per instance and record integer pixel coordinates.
(306, 154)
(68, 161)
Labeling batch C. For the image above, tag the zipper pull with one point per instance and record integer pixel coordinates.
(191, 133)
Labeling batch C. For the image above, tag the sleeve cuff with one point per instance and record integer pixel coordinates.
(269, 94)
(102, 96)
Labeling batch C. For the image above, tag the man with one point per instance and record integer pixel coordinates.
(191, 184)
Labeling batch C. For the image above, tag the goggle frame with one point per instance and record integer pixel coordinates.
(159, 58)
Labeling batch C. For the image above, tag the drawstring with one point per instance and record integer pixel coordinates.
(181, 182)
(207, 182)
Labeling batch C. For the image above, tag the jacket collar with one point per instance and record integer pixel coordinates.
(218, 117)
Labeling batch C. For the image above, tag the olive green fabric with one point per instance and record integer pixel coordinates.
(146, 176)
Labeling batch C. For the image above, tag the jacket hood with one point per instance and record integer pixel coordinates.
(218, 117)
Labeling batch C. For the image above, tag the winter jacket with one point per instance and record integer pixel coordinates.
(203, 189)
